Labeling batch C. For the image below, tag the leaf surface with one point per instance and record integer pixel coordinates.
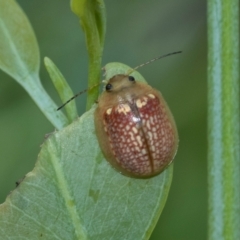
(19, 57)
(73, 193)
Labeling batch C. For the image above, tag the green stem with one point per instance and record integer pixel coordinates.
(95, 61)
(223, 120)
(93, 21)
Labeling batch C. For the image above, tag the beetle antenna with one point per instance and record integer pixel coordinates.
(141, 65)
(153, 60)
(76, 95)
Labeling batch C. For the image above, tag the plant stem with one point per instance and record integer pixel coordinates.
(223, 120)
(92, 17)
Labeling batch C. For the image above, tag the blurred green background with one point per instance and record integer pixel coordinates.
(136, 32)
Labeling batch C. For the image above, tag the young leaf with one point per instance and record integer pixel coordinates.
(20, 58)
(114, 68)
(62, 88)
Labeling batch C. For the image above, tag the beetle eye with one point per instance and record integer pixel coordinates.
(131, 78)
(108, 87)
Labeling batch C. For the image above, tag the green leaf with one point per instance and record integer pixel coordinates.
(20, 58)
(74, 193)
(92, 17)
(114, 68)
(62, 87)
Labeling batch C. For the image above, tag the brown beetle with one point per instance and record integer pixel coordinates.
(135, 128)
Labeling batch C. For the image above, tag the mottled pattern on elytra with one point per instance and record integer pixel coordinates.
(140, 135)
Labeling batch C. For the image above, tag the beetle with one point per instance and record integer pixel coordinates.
(134, 126)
